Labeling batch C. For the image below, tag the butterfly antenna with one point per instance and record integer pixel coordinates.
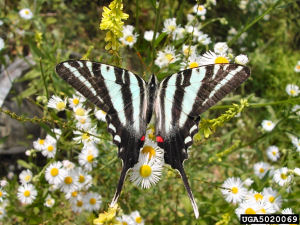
(120, 185)
(189, 191)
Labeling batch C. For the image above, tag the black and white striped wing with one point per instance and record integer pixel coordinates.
(121, 94)
(181, 98)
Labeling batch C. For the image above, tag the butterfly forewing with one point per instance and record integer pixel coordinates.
(121, 94)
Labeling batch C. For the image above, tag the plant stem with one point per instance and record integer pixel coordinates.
(157, 13)
(44, 79)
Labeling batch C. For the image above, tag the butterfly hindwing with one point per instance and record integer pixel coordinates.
(181, 98)
(121, 94)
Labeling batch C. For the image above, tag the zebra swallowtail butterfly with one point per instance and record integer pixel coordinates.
(129, 101)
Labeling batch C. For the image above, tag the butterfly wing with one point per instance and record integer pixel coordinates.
(181, 98)
(121, 94)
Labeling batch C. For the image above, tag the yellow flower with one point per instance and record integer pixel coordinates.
(112, 21)
(108, 217)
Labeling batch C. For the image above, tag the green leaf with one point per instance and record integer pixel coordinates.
(24, 164)
(159, 39)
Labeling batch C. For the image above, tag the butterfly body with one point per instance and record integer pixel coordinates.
(130, 102)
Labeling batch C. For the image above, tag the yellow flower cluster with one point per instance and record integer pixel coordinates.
(108, 218)
(112, 21)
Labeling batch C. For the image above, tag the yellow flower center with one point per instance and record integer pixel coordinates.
(85, 136)
(271, 199)
(27, 12)
(193, 65)
(263, 211)
(54, 172)
(269, 124)
(41, 141)
(186, 51)
(129, 38)
(27, 193)
(82, 121)
(27, 178)
(292, 92)
(79, 203)
(49, 201)
(283, 176)
(221, 59)
(68, 180)
(261, 170)
(169, 57)
(90, 158)
(74, 194)
(80, 112)
(274, 153)
(149, 150)
(75, 101)
(298, 67)
(60, 105)
(1, 194)
(138, 219)
(145, 171)
(200, 8)
(250, 211)
(234, 190)
(171, 27)
(50, 148)
(92, 201)
(81, 179)
(124, 223)
(258, 196)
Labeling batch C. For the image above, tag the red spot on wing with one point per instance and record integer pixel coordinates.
(159, 139)
(143, 138)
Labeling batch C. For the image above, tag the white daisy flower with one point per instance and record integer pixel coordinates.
(80, 111)
(261, 168)
(221, 48)
(57, 103)
(69, 182)
(27, 193)
(148, 35)
(247, 207)
(76, 100)
(281, 176)
(1, 22)
(2, 44)
(126, 220)
(137, 218)
(248, 182)
(55, 173)
(49, 150)
(212, 58)
(146, 172)
(297, 171)
(49, 201)
(39, 144)
(151, 149)
(292, 90)
(100, 115)
(25, 176)
(26, 14)
(297, 67)
(296, 142)
(88, 137)
(2, 194)
(253, 195)
(193, 62)
(189, 50)
(84, 179)
(10, 175)
(273, 153)
(200, 10)
(170, 25)
(190, 17)
(241, 59)
(2, 212)
(272, 197)
(84, 122)
(166, 57)
(73, 195)
(296, 109)
(204, 39)
(92, 201)
(57, 133)
(129, 37)
(233, 190)
(3, 183)
(78, 205)
(267, 125)
(178, 33)
(68, 165)
(87, 156)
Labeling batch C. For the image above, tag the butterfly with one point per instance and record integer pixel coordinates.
(130, 102)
